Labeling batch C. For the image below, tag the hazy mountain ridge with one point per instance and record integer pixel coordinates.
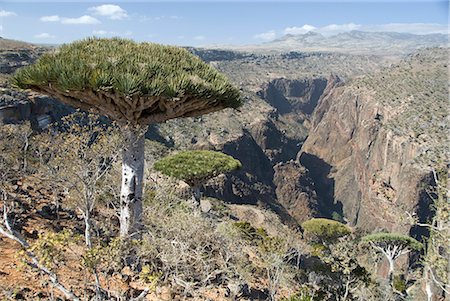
(355, 42)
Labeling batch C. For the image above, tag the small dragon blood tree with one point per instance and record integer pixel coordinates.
(324, 230)
(392, 246)
(135, 84)
(195, 167)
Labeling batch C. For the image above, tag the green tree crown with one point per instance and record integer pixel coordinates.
(130, 81)
(196, 166)
(393, 239)
(325, 229)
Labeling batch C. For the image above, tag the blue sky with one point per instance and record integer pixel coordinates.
(213, 22)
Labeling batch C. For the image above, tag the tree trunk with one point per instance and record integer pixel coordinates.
(87, 229)
(196, 196)
(132, 182)
(391, 270)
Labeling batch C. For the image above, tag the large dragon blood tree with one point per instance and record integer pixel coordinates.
(135, 84)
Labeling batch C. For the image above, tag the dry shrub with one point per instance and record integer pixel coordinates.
(186, 250)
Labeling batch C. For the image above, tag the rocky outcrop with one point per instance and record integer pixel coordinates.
(16, 107)
(275, 144)
(360, 165)
(296, 191)
(251, 184)
(299, 96)
(12, 59)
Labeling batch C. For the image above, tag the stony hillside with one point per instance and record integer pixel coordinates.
(373, 141)
(15, 54)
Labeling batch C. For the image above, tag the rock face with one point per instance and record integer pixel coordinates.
(299, 96)
(362, 150)
(16, 107)
(14, 59)
(15, 54)
(296, 191)
(275, 144)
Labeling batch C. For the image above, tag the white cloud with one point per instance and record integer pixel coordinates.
(4, 13)
(50, 18)
(299, 30)
(333, 29)
(81, 20)
(111, 11)
(99, 32)
(1, 28)
(111, 33)
(158, 18)
(44, 35)
(266, 36)
(338, 28)
(199, 38)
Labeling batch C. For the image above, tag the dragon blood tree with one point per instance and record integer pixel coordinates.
(196, 167)
(135, 84)
(392, 246)
(323, 230)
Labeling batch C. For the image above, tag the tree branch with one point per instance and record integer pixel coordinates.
(11, 234)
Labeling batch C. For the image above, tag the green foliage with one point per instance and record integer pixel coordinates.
(399, 283)
(318, 249)
(149, 277)
(393, 239)
(337, 217)
(92, 258)
(258, 236)
(298, 298)
(249, 232)
(50, 248)
(325, 229)
(128, 68)
(195, 167)
(104, 256)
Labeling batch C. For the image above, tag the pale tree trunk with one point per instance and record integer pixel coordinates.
(132, 182)
(87, 229)
(428, 284)
(391, 269)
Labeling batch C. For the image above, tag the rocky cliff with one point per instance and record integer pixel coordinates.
(374, 140)
(40, 111)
